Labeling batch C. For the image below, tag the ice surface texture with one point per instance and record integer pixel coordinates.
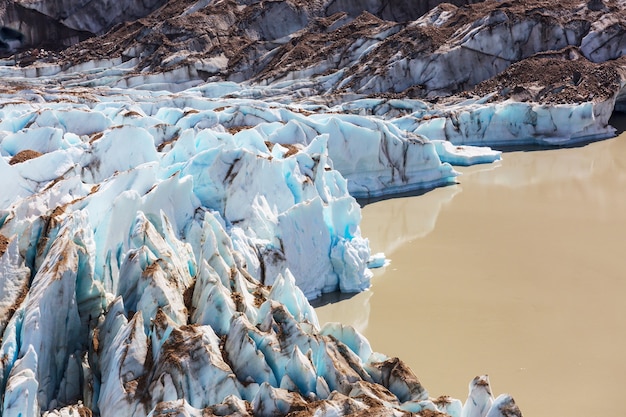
(282, 204)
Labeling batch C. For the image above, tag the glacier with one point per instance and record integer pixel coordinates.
(174, 191)
(159, 250)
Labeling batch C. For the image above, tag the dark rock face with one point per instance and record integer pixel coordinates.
(55, 25)
(91, 16)
(37, 29)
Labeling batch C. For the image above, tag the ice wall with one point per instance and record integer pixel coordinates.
(512, 123)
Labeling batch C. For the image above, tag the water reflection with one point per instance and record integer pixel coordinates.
(525, 168)
(404, 220)
(353, 310)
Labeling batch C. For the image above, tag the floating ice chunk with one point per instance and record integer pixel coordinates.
(465, 155)
(377, 260)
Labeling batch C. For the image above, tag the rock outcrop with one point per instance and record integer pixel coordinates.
(95, 17)
(34, 31)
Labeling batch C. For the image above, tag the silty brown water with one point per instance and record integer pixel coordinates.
(519, 271)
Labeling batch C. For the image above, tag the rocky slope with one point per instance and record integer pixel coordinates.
(448, 50)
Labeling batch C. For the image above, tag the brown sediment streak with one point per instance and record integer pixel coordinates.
(24, 156)
(4, 243)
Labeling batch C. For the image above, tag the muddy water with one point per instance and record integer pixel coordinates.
(519, 272)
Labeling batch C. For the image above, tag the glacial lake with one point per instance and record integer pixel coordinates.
(518, 272)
